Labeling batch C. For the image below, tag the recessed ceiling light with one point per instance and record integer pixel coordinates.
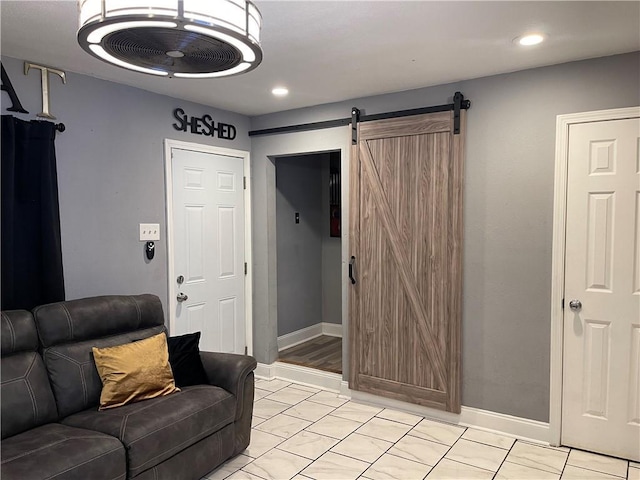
(280, 91)
(530, 39)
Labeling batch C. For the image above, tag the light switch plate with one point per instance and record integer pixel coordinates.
(149, 232)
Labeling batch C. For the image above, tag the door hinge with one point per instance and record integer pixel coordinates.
(244, 183)
(246, 350)
(563, 303)
(245, 268)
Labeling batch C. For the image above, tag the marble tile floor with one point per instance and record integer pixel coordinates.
(303, 433)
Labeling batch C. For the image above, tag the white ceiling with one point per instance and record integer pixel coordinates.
(327, 51)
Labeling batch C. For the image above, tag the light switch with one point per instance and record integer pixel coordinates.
(149, 232)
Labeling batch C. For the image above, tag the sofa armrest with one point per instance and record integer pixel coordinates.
(229, 371)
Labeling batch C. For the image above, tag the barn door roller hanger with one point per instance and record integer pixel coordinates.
(459, 103)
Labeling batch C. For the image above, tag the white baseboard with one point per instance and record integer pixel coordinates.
(299, 374)
(299, 336)
(309, 333)
(522, 428)
(332, 329)
(517, 427)
(264, 371)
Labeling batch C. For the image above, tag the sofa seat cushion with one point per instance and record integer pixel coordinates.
(156, 429)
(55, 451)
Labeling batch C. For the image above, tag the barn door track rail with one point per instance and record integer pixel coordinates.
(459, 103)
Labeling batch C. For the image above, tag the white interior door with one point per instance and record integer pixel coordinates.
(208, 245)
(601, 370)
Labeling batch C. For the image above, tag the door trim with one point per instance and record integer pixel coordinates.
(248, 279)
(563, 122)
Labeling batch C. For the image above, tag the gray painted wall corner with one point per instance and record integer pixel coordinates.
(111, 176)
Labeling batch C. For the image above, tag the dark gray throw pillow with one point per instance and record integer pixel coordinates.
(184, 357)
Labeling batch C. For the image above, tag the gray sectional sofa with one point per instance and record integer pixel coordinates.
(50, 390)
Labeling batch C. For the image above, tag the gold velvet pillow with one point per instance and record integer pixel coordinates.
(134, 371)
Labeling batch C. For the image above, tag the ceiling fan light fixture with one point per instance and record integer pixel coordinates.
(100, 52)
(248, 55)
(175, 38)
(238, 69)
(96, 35)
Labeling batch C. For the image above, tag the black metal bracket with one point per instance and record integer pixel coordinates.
(458, 103)
(355, 118)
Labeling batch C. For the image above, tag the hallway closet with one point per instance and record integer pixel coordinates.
(309, 260)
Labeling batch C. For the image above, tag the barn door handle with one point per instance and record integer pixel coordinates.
(352, 263)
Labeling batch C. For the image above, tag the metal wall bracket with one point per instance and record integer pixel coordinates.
(355, 118)
(458, 103)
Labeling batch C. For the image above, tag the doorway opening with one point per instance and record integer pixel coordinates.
(308, 243)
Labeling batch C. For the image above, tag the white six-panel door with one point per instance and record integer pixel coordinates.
(601, 358)
(208, 248)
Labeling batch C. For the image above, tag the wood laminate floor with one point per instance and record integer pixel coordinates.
(323, 353)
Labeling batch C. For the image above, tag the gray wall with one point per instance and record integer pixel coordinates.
(111, 176)
(299, 251)
(508, 214)
(331, 248)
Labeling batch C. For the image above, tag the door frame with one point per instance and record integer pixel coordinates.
(169, 144)
(563, 123)
(265, 150)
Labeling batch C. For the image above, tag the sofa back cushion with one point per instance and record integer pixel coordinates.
(18, 332)
(27, 399)
(73, 374)
(69, 330)
(96, 317)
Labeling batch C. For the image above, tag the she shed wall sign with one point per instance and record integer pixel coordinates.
(203, 125)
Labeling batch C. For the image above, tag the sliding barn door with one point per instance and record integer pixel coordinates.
(406, 237)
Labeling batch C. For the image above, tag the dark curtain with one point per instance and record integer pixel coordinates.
(31, 248)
